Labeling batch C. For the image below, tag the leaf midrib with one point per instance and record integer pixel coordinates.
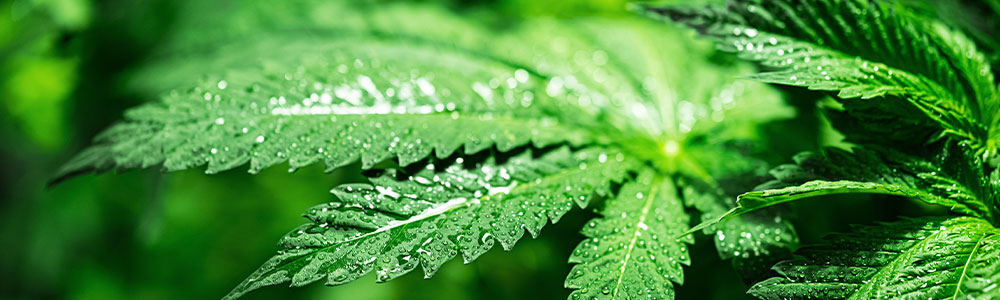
(654, 189)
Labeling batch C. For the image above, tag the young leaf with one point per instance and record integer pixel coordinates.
(861, 49)
(669, 89)
(631, 252)
(926, 258)
(692, 103)
(402, 221)
(699, 111)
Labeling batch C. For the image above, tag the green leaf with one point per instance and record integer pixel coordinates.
(336, 108)
(697, 110)
(648, 84)
(412, 83)
(402, 221)
(888, 122)
(952, 179)
(669, 89)
(702, 117)
(213, 37)
(368, 82)
(747, 238)
(631, 252)
(756, 200)
(860, 49)
(744, 236)
(977, 19)
(926, 258)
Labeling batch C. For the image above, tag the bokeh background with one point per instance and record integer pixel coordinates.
(65, 69)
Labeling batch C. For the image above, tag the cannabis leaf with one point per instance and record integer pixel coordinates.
(923, 258)
(620, 101)
(402, 221)
(884, 65)
(337, 109)
(471, 132)
(749, 235)
(753, 241)
(860, 49)
(704, 130)
(624, 256)
(954, 179)
(976, 19)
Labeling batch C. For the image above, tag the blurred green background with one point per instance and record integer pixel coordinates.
(64, 71)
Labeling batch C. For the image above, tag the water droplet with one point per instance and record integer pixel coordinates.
(521, 75)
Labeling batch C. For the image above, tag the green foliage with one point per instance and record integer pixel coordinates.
(860, 49)
(978, 20)
(920, 102)
(629, 252)
(402, 221)
(472, 128)
(37, 75)
(924, 258)
(745, 236)
(336, 110)
(953, 179)
(439, 117)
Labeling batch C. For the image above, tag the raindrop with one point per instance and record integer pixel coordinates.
(521, 75)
